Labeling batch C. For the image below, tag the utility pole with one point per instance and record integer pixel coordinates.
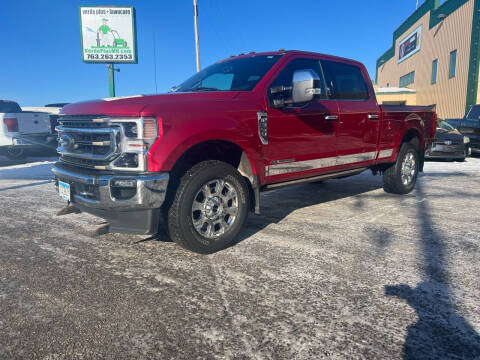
(197, 41)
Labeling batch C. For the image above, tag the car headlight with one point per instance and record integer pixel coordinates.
(466, 139)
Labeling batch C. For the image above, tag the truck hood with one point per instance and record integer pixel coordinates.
(452, 135)
(133, 105)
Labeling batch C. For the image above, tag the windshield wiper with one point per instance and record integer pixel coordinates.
(202, 88)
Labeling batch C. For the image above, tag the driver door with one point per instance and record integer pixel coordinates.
(301, 137)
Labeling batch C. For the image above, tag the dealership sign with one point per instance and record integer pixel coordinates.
(108, 34)
(410, 44)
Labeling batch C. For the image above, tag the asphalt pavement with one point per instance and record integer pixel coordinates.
(338, 269)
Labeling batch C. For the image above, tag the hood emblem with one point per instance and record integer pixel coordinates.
(67, 142)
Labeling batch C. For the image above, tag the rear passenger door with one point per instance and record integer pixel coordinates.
(358, 123)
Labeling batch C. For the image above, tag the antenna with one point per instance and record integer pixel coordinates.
(155, 61)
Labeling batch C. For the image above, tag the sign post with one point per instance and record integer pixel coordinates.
(111, 79)
(108, 35)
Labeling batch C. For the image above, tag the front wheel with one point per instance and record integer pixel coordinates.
(209, 208)
(400, 178)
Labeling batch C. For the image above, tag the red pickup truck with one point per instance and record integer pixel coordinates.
(197, 158)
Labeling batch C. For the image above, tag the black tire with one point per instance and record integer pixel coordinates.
(392, 177)
(180, 216)
(16, 153)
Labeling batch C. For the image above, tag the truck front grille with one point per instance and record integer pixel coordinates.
(87, 141)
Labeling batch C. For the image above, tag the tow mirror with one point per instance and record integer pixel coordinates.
(305, 85)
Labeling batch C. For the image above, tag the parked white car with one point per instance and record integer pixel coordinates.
(21, 130)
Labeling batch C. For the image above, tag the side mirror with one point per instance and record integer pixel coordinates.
(305, 85)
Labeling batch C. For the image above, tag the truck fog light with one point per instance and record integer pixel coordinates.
(128, 183)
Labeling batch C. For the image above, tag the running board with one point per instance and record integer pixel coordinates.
(314, 178)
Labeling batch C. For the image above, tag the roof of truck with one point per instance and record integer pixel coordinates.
(293, 52)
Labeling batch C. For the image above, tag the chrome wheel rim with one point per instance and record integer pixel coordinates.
(408, 169)
(214, 208)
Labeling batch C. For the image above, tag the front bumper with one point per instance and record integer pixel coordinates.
(130, 209)
(29, 141)
(441, 151)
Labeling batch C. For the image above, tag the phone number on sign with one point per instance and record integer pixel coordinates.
(109, 56)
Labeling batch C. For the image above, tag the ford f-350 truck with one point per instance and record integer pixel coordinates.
(196, 159)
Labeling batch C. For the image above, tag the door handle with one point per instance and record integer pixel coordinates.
(331, 117)
(373, 116)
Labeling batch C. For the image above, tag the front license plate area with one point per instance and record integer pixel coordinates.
(64, 190)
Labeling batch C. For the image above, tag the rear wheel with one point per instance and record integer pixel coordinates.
(400, 178)
(209, 208)
(16, 153)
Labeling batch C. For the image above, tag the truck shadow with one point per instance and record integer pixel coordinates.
(440, 332)
(278, 204)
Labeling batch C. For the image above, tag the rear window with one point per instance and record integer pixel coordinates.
(344, 82)
(7, 106)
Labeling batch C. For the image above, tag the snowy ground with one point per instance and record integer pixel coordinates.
(332, 270)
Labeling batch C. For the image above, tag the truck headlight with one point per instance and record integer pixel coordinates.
(137, 136)
(466, 139)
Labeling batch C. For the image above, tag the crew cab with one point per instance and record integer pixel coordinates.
(21, 130)
(195, 160)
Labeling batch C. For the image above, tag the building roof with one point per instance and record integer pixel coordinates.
(394, 90)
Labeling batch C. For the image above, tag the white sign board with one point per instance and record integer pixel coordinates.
(410, 44)
(108, 34)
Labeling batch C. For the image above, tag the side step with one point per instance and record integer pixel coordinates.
(314, 178)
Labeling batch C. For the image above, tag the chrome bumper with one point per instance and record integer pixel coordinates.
(149, 192)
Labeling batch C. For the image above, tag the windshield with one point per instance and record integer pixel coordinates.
(474, 113)
(232, 75)
(444, 125)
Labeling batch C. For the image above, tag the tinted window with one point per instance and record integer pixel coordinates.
(240, 74)
(7, 106)
(474, 113)
(286, 76)
(407, 79)
(344, 82)
(434, 71)
(453, 64)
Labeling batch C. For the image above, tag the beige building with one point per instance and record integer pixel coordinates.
(396, 96)
(436, 54)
